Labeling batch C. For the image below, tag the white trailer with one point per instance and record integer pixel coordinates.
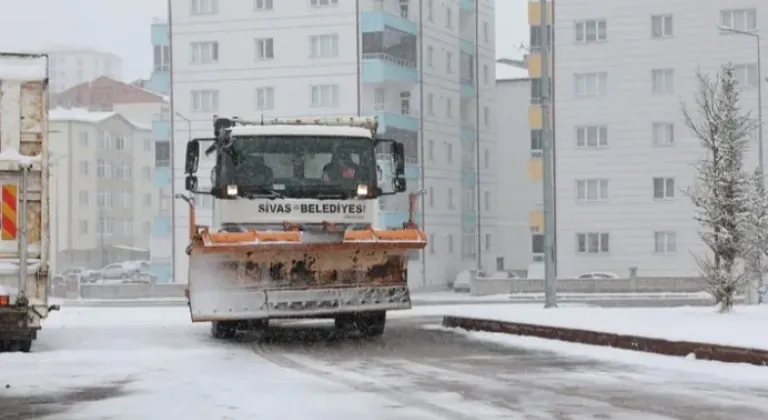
(24, 199)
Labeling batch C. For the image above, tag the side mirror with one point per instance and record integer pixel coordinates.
(192, 157)
(190, 183)
(398, 154)
(398, 184)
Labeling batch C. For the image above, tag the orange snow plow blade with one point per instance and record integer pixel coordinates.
(257, 274)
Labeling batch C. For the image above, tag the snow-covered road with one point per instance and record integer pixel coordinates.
(151, 363)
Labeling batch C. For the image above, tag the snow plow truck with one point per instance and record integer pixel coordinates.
(294, 205)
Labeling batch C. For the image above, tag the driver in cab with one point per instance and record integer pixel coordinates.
(341, 168)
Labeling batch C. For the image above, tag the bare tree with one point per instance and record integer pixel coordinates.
(755, 246)
(720, 187)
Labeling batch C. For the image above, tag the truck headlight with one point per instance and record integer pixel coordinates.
(362, 190)
(232, 190)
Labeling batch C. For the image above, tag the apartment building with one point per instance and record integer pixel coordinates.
(107, 94)
(520, 193)
(424, 68)
(101, 181)
(623, 152)
(69, 66)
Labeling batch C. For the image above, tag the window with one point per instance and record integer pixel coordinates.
(127, 171)
(105, 226)
(324, 46)
(265, 49)
(146, 227)
(486, 116)
(661, 26)
(592, 189)
(119, 141)
(746, 75)
(592, 243)
(430, 57)
(431, 243)
(265, 98)
(431, 150)
(205, 100)
(449, 152)
(664, 242)
(105, 140)
(739, 19)
(537, 243)
(147, 200)
(536, 143)
(323, 3)
(83, 227)
(486, 74)
(448, 107)
(663, 81)
(105, 198)
(448, 17)
(263, 5)
(325, 95)
(148, 144)
(536, 37)
(448, 62)
(431, 103)
(592, 136)
(404, 8)
(431, 10)
(487, 200)
(663, 134)
(205, 52)
(591, 30)
(146, 172)
(663, 188)
(205, 7)
(431, 197)
(591, 84)
(101, 168)
(163, 154)
(83, 198)
(83, 139)
(487, 158)
(84, 167)
(162, 58)
(486, 31)
(450, 199)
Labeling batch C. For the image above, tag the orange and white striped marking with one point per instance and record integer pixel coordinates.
(8, 224)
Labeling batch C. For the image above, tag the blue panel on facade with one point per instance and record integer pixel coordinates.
(467, 90)
(376, 21)
(161, 130)
(470, 220)
(162, 177)
(160, 81)
(162, 270)
(469, 177)
(161, 226)
(468, 133)
(467, 46)
(381, 71)
(160, 34)
(468, 5)
(392, 218)
(395, 120)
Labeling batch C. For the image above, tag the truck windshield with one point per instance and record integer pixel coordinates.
(299, 165)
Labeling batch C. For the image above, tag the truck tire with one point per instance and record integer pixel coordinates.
(24, 346)
(371, 324)
(223, 330)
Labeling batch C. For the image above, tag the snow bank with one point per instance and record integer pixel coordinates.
(15, 156)
(745, 327)
(23, 68)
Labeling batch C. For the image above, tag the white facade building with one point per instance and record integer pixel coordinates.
(623, 153)
(70, 66)
(424, 68)
(518, 194)
(102, 192)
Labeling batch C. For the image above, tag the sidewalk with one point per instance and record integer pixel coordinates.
(733, 337)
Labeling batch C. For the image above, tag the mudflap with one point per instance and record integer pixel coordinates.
(15, 325)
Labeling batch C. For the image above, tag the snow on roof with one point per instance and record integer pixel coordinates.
(15, 67)
(91, 117)
(14, 156)
(507, 72)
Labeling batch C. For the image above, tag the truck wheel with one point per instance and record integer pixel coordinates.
(223, 330)
(344, 322)
(24, 346)
(371, 324)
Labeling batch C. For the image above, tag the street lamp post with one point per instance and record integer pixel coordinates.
(752, 295)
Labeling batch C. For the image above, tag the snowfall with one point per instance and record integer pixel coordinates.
(152, 363)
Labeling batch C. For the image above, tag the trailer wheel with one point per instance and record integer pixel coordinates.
(24, 346)
(371, 324)
(223, 330)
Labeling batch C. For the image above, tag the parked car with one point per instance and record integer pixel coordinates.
(598, 275)
(120, 271)
(59, 278)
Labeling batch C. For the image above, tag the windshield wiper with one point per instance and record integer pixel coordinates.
(267, 193)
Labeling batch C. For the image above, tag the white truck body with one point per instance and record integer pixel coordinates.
(24, 192)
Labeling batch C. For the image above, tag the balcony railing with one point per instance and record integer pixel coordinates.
(388, 58)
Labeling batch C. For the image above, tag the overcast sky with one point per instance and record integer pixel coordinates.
(122, 27)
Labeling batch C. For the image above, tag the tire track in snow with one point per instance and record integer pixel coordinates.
(359, 382)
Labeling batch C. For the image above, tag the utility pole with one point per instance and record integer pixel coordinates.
(550, 286)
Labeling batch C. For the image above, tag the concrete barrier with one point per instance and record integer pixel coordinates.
(132, 291)
(704, 351)
(482, 286)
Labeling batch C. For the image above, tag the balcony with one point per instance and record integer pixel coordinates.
(161, 226)
(467, 5)
(381, 68)
(160, 35)
(161, 130)
(162, 176)
(468, 178)
(401, 120)
(160, 82)
(468, 46)
(378, 16)
(467, 87)
(392, 219)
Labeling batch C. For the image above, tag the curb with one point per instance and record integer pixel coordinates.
(702, 351)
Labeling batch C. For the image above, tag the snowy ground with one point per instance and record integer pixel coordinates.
(151, 363)
(684, 323)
